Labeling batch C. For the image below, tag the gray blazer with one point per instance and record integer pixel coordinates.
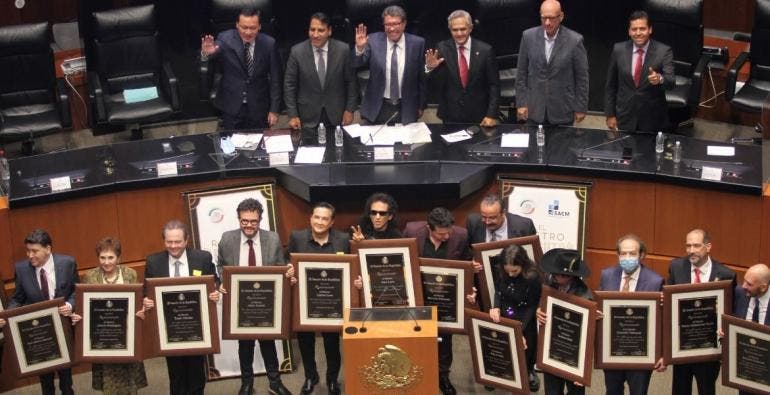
(230, 249)
(559, 86)
(302, 91)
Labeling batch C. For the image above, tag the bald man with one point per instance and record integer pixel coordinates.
(751, 297)
(552, 79)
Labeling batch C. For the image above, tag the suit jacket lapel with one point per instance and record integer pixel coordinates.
(263, 247)
(473, 63)
(60, 277)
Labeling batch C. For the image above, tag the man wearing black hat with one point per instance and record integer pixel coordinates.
(630, 276)
(565, 270)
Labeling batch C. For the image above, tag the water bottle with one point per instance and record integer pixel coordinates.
(338, 138)
(321, 134)
(660, 141)
(677, 157)
(540, 136)
(5, 175)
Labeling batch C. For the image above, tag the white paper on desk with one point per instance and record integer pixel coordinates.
(711, 173)
(718, 150)
(384, 153)
(382, 135)
(354, 130)
(278, 143)
(310, 155)
(415, 133)
(456, 136)
(515, 140)
(60, 183)
(166, 169)
(246, 141)
(279, 158)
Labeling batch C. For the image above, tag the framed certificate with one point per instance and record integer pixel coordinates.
(566, 342)
(484, 253)
(110, 331)
(745, 351)
(323, 291)
(39, 338)
(444, 285)
(390, 272)
(184, 320)
(629, 331)
(691, 315)
(497, 350)
(256, 305)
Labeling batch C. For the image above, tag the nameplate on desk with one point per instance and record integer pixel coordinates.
(515, 140)
(711, 173)
(61, 183)
(384, 153)
(279, 159)
(167, 169)
(716, 150)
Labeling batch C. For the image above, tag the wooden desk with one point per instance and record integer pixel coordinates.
(78, 109)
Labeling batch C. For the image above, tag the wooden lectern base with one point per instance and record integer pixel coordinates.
(390, 356)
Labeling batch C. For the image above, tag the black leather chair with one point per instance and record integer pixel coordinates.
(501, 23)
(756, 90)
(224, 14)
(126, 55)
(32, 100)
(679, 24)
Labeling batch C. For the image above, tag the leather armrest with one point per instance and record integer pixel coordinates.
(171, 85)
(204, 79)
(97, 97)
(693, 97)
(732, 75)
(63, 102)
(740, 36)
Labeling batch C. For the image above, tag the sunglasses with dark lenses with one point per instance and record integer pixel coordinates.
(375, 213)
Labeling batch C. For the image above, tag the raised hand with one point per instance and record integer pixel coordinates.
(361, 38)
(432, 59)
(208, 46)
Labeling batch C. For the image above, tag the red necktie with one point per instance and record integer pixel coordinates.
(638, 66)
(697, 275)
(44, 285)
(463, 66)
(252, 255)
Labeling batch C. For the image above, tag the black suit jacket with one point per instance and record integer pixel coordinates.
(303, 94)
(298, 238)
(741, 304)
(28, 289)
(518, 226)
(643, 108)
(476, 101)
(263, 89)
(157, 264)
(457, 245)
(679, 272)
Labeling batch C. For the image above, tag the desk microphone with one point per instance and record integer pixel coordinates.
(582, 152)
(371, 135)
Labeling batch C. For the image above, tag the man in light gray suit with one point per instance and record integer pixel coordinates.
(251, 246)
(310, 100)
(552, 79)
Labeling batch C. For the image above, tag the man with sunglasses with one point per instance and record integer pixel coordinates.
(251, 246)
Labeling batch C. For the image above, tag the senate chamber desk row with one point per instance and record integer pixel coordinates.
(115, 190)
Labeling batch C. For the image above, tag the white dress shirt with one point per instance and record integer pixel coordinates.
(762, 307)
(549, 43)
(184, 268)
(705, 272)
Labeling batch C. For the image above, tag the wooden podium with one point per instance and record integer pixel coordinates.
(389, 356)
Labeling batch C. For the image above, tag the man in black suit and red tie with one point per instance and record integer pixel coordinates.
(640, 71)
(464, 73)
(697, 267)
(44, 276)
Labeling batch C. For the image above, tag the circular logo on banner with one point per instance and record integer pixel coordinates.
(527, 207)
(216, 215)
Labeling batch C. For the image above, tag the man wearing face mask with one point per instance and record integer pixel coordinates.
(630, 276)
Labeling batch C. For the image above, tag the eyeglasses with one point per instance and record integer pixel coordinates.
(375, 213)
(253, 222)
(395, 24)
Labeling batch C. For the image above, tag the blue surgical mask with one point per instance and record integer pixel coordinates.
(629, 264)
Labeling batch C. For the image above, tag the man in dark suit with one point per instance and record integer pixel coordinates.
(696, 267)
(249, 94)
(750, 299)
(640, 71)
(187, 374)
(552, 71)
(251, 246)
(464, 73)
(309, 100)
(392, 93)
(439, 238)
(630, 276)
(320, 238)
(44, 276)
(494, 223)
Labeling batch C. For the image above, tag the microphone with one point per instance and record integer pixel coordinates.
(371, 135)
(582, 152)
